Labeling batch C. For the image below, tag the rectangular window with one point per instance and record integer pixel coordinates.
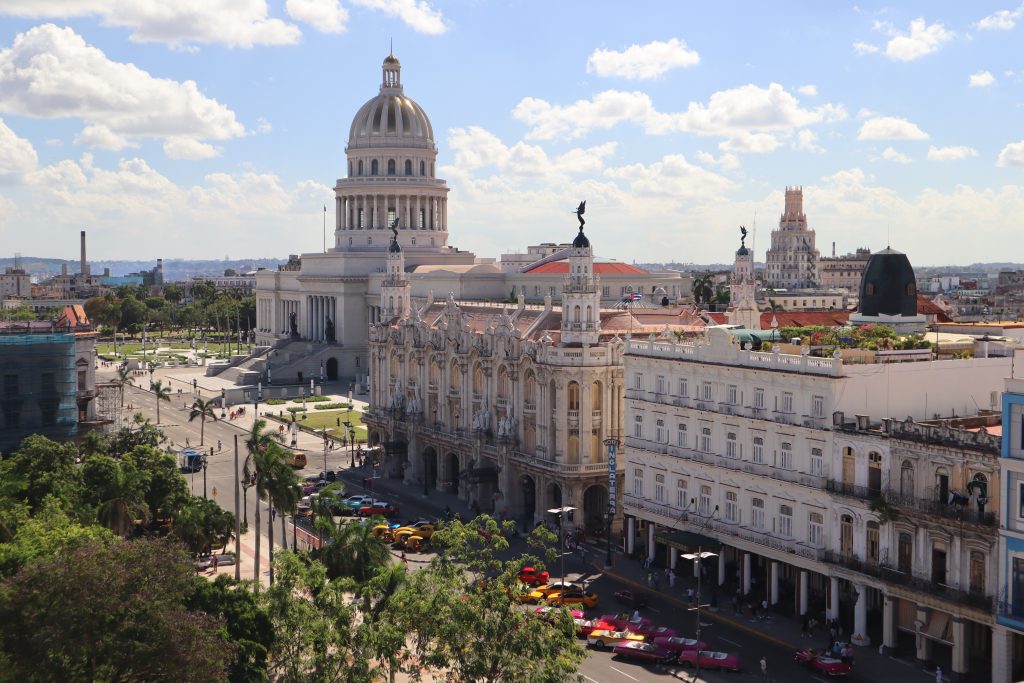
(638, 482)
(759, 398)
(638, 426)
(659, 488)
(786, 456)
(605, 291)
(757, 513)
(818, 406)
(815, 529)
(731, 395)
(638, 380)
(708, 394)
(659, 431)
(730, 507)
(730, 445)
(659, 383)
(681, 499)
(681, 436)
(787, 402)
(704, 506)
(684, 390)
(705, 439)
(758, 455)
(816, 462)
(786, 521)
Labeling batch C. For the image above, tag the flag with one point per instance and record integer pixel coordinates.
(636, 297)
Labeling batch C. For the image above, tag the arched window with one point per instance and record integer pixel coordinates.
(576, 314)
(705, 439)
(391, 167)
(873, 543)
(681, 435)
(350, 168)
(374, 168)
(704, 506)
(638, 426)
(423, 168)
(786, 521)
(574, 396)
(977, 572)
(408, 167)
(846, 536)
(757, 513)
(360, 167)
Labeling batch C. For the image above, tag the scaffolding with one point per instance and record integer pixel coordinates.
(109, 410)
(38, 383)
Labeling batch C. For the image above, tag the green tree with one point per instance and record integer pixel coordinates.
(106, 612)
(202, 409)
(351, 550)
(40, 468)
(722, 295)
(172, 293)
(160, 393)
(258, 442)
(275, 483)
(133, 313)
(703, 289)
(202, 524)
(119, 492)
(165, 490)
(124, 377)
(19, 314)
(46, 534)
(247, 623)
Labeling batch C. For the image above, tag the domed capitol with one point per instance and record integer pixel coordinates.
(391, 256)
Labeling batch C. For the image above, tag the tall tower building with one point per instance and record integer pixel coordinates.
(792, 260)
(395, 289)
(581, 296)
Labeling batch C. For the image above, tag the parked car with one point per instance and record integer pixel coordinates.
(329, 475)
(602, 640)
(644, 652)
(353, 503)
(296, 459)
(420, 527)
(632, 599)
(623, 622)
(652, 633)
(721, 661)
(573, 596)
(823, 663)
(531, 577)
(679, 643)
(542, 592)
(206, 561)
(542, 611)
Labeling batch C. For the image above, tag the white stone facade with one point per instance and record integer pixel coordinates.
(792, 260)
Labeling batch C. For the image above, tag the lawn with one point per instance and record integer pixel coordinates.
(328, 418)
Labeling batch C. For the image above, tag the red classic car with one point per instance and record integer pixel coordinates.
(823, 663)
(721, 661)
(531, 577)
(644, 652)
(679, 643)
(584, 627)
(378, 507)
(650, 632)
(541, 611)
(623, 622)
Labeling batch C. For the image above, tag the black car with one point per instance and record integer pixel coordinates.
(329, 475)
(632, 599)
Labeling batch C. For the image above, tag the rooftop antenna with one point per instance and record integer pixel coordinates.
(391, 49)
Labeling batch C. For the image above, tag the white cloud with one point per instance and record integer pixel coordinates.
(235, 23)
(982, 79)
(863, 48)
(922, 39)
(327, 16)
(864, 113)
(17, 155)
(189, 148)
(727, 162)
(416, 14)
(1003, 20)
(954, 153)
(749, 117)
(807, 140)
(1011, 155)
(50, 72)
(890, 128)
(890, 154)
(808, 90)
(673, 176)
(263, 126)
(643, 61)
(477, 148)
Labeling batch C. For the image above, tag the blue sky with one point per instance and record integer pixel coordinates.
(201, 128)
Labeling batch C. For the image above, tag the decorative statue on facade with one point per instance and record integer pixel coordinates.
(579, 213)
(396, 400)
(293, 323)
(415, 404)
(328, 329)
(506, 426)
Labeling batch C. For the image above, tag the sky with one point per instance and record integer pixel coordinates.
(212, 128)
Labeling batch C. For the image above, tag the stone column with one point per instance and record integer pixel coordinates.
(408, 213)
(803, 591)
(774, 568)
(889, 632)
(650, 541)
(1002, 654)
(444, 213)
(833, 598)
(586, 422)
(959, 650)
(630, 534)
(746, 573)
(416, 220)
(721, 567)
(374, 218)
(860, 617)
(924, 645)
(673, 557)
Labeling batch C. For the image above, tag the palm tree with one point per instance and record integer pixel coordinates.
(259, 441)
(722, 295)
(118, 513)
(774, 306)
(703, 289)
(352, 550)
(124, 376)
(161, 393)
(273, 477)
(202, 409)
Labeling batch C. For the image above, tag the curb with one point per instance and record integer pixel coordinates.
(681, 603)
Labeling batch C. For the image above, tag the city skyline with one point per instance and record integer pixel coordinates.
(164, 137)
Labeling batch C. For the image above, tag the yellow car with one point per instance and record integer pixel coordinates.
(421, 529)
(573, 596)
(542, 592)
(602, 639)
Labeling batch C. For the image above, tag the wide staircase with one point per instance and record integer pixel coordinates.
(286, 360)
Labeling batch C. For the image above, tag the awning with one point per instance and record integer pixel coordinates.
(936, 626)
(687, 541)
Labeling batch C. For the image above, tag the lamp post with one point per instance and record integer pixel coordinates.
(152, 369)
(352, 443)
(246, 485)
(325, 455)
(561, 512)
(203, 461)
(698, 556)
(223, 403)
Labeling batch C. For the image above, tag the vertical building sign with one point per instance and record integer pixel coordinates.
(612, 445)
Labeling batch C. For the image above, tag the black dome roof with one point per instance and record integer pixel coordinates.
(742, 251)
(581, 241)
(888, 285)
(394, 247)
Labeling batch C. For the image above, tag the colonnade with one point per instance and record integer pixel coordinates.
(370, 212)
(318, 310)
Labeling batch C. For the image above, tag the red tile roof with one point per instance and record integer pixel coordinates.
(606, 268)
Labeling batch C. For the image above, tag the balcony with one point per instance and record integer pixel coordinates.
(501, 402)
(556, 466)
(931, 506)
(529, 406)
(852, 490)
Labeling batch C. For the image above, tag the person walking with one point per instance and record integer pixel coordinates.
(938, 674)
(764, 668)
(671, 579)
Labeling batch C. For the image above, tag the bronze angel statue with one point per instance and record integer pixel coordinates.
(394, 227)
(579, 213)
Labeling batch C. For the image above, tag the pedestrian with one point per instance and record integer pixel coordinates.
(219, 447)
(215, 562)
(405, 561)
(650, 579)
(938, 674)
(764, 668)
(636, 615)
(689, 595)
(672, 580)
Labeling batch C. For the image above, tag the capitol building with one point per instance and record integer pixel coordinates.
(315, 311)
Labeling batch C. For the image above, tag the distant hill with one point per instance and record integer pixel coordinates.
(174, 269)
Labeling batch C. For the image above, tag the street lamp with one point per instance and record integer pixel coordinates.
(152, 369)
(203, 461)
(561, 512)
(246, 485)
(223, 403)
(698, 556)
(325, 453)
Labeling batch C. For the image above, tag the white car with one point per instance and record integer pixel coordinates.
(206, 561)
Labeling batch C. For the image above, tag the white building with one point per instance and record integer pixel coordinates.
(743, 452)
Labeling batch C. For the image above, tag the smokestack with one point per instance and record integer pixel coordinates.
(84, 268)
(833, 250)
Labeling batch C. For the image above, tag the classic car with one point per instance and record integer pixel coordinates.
(721, 661)
(679, 643)
(823, 662)
(541, 611)
(420, 528)
(542, 592)
(531, 577)
(650, 632)
(632, 599)
(602, 639)
(378, 507)
(573, 596)
(644, 652)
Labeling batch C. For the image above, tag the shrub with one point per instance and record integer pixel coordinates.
(296, 409)
(276, 402)
(334, 406)
(312, 399)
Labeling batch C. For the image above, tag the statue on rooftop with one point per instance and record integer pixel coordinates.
(579, 213)
(743, 236)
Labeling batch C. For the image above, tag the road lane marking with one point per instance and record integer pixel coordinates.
(819, 679)
(900, 661)
(731, 642)
(623, 673)
(590, 679)
(656, 611)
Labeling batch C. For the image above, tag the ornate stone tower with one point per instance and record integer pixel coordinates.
(581, 296)
(792, 260)
(743, 289)
(395, 290)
